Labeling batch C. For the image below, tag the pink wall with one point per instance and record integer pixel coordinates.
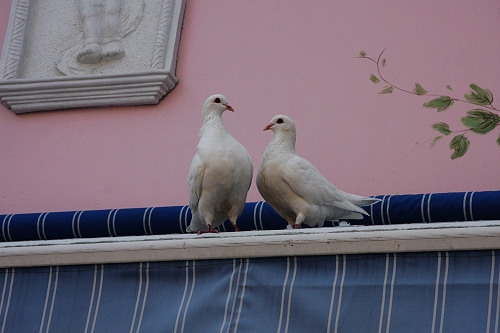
(272, 57)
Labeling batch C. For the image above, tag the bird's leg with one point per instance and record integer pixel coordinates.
(235, 226)
(210, 230)
(298, 220)
(233, 218)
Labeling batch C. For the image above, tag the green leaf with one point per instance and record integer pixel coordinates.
(374, 79)
(479, 95)
(460, 144)
(440, 103)
(383, 62)
(481, 121)
(436, 139)
(419, 90)
(386, 90)
(448, 87)
(442, 128)
(498, 140)
(362, 54)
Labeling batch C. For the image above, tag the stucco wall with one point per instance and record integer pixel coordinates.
(277, 57)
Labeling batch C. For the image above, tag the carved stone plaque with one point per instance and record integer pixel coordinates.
(62, 54)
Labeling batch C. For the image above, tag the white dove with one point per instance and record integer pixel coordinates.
(220, 174)
(296, 189)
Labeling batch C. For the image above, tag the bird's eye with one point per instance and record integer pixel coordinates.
(217, 100)
(279, 121)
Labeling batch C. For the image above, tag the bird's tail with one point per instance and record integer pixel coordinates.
(360, 200)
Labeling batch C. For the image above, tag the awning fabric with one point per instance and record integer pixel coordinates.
(393, 209)
(403, 292)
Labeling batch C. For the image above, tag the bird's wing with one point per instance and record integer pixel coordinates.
(195, 179)
(305, 180)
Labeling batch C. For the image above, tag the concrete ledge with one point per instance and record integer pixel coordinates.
(484, 235)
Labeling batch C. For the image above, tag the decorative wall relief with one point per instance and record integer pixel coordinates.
(63, 54)
(482, 119)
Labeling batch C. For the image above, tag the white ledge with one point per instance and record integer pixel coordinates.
(484, 235)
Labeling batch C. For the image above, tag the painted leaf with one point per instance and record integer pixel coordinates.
(386, 90)
(383, 62)
(460, 144)
(481, 121)
(436, 139)
(419, 90)
(442, 128)
(448, 87)
(362, 54)
(479, 95)
(374, 79)
(498, 140)
(440, 104)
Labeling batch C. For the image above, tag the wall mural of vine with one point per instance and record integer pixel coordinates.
(481, 119)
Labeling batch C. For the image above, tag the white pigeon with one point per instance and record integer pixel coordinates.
(220, 174)
(296, 189)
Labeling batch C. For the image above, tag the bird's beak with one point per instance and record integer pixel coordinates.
(229, 107)
(268, 127)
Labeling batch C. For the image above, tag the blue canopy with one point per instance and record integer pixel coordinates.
(393, 209)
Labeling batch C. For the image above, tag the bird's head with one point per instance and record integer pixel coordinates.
(280, 123)
(216, 103)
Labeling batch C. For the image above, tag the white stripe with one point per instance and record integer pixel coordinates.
(137, 299)
(4, 289)
(189, 298)
(443, 302)
(470, 206)
(8, 226)
(144, 221)
(260, 215)
(389, 313)
(180, 219)
(283, 292)
(109, 219)
(490, 298)
(255, 215)
(333, 293)
(78, 224)
(382, 210)
(91, 300)
(340, 293)
(236, 291)
(46, 299)
(371, 214)
(186, 217)
(183, 297)
(38, 226)
(149, 224)
(242, 295)
(54, 291)
(387, 209)
(228, 296)
(8, 300)
(381, 318)
(436, 293)
(290, 293)
(73, 223)
(114, 225)
(422, 208)
(3, 226)
(144, 298)
(429, 207)
(98, 298)
(464, 205)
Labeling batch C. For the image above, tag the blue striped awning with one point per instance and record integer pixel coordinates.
(403, 292)
(393, 209)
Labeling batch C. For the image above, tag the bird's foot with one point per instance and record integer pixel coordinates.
(210, 230)
(296, 226)
(236, 228)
